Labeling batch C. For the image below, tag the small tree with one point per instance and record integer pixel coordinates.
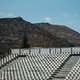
(25, 41)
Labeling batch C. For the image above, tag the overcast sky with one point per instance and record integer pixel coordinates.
(64, 12)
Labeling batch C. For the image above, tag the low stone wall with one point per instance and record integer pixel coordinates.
(72, 50)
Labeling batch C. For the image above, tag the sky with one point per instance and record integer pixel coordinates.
(63, 12)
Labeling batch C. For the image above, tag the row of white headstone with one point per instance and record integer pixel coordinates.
(16, 52)
(74, 74)
(7, 59)
(32, 51)
(38, 67)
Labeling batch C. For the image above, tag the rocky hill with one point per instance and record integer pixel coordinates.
(14, 30)
(62, 31)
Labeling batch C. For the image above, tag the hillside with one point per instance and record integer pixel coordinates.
(62, 31)
(12, 32)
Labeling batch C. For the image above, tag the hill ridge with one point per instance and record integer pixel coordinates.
(12, 32)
